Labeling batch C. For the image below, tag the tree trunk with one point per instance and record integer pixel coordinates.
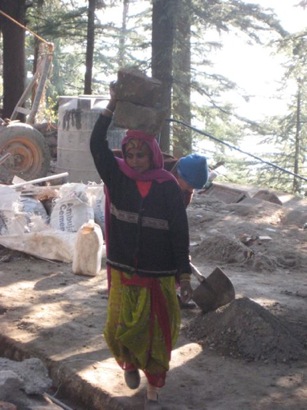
(39, 14)
(296, 183)
(182, 136)
(122, 38)
(163, 15)
(13, 54)
(90, 47)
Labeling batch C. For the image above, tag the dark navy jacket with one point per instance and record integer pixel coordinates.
(147, 236)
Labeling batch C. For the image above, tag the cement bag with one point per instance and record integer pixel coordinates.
(96, 197)
(32, 206)
(12, 220)
(88, 250)
(47, 244)
(71, 209)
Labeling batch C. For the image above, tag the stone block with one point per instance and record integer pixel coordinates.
(136, 117)
(134, 86)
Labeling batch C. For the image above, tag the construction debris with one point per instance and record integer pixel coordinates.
(44, 221)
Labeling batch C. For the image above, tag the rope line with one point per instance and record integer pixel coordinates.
(25, 28)
(236, 148)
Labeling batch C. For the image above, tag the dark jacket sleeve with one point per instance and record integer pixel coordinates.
(103, 157)
(179, 229)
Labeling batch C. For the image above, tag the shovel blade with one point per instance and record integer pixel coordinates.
(215, 291)
(222, 286)
(204, 296)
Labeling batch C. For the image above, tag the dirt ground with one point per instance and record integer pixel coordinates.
(249, 354)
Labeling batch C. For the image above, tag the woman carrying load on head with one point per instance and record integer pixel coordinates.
(147, 251)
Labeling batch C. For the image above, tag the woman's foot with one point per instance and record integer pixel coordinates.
(132, 379)
(152, 404)
(152, 398)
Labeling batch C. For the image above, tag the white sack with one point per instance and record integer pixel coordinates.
(32, 206)
(47, 244)
(71, 209)
(12, 220)
(96, 196)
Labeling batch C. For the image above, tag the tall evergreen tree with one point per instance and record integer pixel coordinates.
(13, 53)
(163, 18)
(181, 106)
(89, 47)
(288, 132)
(191, 63)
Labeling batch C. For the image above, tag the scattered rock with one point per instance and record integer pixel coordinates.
(10, 385)
(4, 405)
(31, 372)
(267, 195)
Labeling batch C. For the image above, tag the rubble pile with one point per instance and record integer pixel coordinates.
(244, 329)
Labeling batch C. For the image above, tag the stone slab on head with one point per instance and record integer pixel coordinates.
(136, 117)
(136, 87)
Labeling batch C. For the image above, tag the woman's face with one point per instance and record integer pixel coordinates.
(139, 158)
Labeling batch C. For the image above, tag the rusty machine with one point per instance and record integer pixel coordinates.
(24, 151)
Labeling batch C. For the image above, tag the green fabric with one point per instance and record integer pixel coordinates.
(127, 330)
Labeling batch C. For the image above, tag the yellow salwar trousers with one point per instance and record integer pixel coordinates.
(143, 322)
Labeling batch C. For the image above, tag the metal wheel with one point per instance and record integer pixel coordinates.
(30, 154)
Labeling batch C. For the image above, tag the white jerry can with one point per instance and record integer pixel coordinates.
(88, 250)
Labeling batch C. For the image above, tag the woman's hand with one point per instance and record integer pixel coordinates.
(186, 291)
(112, 89)
(110, 108)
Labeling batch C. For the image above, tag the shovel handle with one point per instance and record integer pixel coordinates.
(197, 273)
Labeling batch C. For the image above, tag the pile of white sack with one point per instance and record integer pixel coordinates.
(73, 225)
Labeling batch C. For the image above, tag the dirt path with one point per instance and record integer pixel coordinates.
(250, 354)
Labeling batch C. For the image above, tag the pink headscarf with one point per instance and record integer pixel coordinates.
(157, 173)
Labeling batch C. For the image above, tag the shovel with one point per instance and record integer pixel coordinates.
(214, 291)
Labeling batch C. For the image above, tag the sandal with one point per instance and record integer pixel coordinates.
(132, 379)
(152, 404)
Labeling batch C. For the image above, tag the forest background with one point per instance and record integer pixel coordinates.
(177, 43)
